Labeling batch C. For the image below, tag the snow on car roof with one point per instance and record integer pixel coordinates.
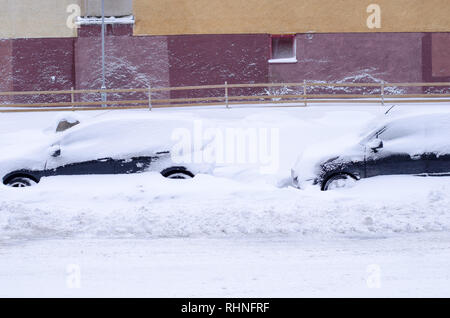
(416, 133)
(414, 121)
(122, 137)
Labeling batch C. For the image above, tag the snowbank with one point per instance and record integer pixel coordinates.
(149, 206)
(234, 200)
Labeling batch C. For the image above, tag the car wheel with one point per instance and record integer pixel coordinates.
(339, 181)
(20, 182)
(177, 173)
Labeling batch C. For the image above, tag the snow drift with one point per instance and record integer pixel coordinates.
(232, 200)
(149, 206)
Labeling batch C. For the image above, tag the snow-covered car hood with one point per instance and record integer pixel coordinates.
(24, 150)
(308, 165)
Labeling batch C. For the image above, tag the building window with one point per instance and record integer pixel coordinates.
(283, 49)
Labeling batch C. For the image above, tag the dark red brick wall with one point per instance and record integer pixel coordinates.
(43, 64)
(440, 50)
(111, 30)
(160, 61)
(131, 62)
(6, 69)
(354, 57)
(214, 59)
(435, 61)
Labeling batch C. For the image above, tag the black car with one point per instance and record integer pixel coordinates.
(81, 151)
(26, 178)
(412, 145)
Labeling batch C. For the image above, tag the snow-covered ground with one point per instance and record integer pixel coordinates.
(407, 265)
(235, 232)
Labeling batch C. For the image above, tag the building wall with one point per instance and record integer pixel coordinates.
(162, 61)
(44, 54)
(131, 62)
(6, 69)
(48, 18)
(35, 19)
(173, 17)
(110, 30)
(354, 57)
(112, 7)
(214, 59)
(159, 61)
(440, 56)
(42, 64)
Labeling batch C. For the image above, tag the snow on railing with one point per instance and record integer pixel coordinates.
(108, 20)
(274, 94)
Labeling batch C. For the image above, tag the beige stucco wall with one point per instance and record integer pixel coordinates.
(164, 17)
(35, 18)
(47, 18)
(112, 7)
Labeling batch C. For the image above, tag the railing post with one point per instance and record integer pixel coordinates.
(382, 94)
(72, 98)
(103, 96)
(150, 107)
(305, 99)
(226, 95)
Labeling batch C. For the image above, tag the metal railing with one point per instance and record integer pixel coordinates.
(297, 95)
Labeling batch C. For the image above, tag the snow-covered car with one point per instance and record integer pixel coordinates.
(415, 145)
(120, 145)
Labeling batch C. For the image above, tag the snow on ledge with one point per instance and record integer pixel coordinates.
(286, 60)
(108, 20)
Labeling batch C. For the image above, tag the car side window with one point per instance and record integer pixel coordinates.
(388, 134)
(398, 130)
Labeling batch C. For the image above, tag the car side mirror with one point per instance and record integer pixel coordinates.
(55, 151)
(375, 144)
(65, 124)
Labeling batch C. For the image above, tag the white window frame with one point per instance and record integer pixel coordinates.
(288, 60)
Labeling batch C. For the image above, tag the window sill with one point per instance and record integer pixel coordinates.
(283, 61)
(108, 20)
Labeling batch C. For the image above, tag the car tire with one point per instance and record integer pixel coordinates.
(339, 181)
(20, 182)
(177, 173)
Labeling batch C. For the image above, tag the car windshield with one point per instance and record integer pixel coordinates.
(396, 129)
